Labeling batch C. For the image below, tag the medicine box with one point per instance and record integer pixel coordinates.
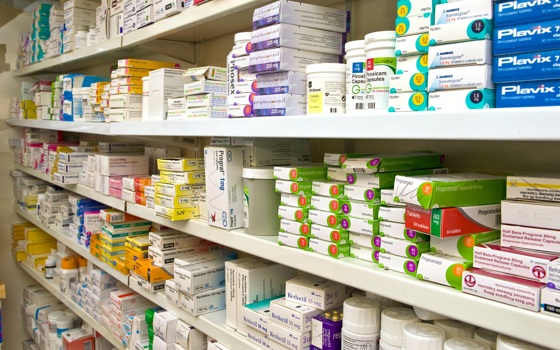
(533, 214)
(409, 8)
(362, 193)
(461, 77)
(293, 240)
(325, 218)
(394, 162)
(408, 102)
(300, 14)
(408, 82)
(167, 256)
(145, 17)
(362, 239)
(288, 82)
(164, 326)
(327, 329)
(398, 230)
(412, 64)
(364, 253)
(550, 302)
(456, 11)
(540, 35)
(292, 213)
(332, 249)
(462, 246)
(469, 52)
(295, 228)
(442, 269)
(503, 288)
(450, 222)
(397, 263)
(294, 200)
(540, 65)
(410, 25)
(450, 190)
(173, 239)
(288, 337)
(528, 94)
(388, 198)
(287, 59)
(534, 187)
(510, 12)
(316, 292)
(256, 315)
(300, 188)
(412, 45)
(336, 174)
(360, 210)
(530, 238)
(296, 37)
(300, 173)
(400, 247)
(275, 151)
(460, 31)
(279, 105)
(386, 180)
(462, 99)
(328, 189)
(204, 302)
(200, 277)
(329, 234)
(189, 337)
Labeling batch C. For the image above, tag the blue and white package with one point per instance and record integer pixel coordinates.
(461, 99)
(541, 65)
(407, 8)
(512, 12)
(460, 77)
(454, 32)
(527, 37)
(462, 10)
(528, 94)
(279, 105)
(468, 52)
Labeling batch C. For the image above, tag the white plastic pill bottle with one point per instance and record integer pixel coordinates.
(241, 48)
(505, 342)
(260, 202)
(464, 344)
(486, 336)
(381, 64)
(361, 324)
(393, 321)
(326, 88)
(355, 75)
(422, 336)
(456, 329)
(427, 315)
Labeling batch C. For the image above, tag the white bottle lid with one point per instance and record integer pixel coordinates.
(242, 37)
(427, 315)
(383, 301)
(456, 329)
(422, 336)
(393, 321)
(486, 336)
(354, 45)
(380, 36)
(465, 344)
(361, 316)
(259, 173)
(505, 342)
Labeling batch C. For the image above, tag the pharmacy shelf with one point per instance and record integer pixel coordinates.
(79, 127)
(79, 189)
(66, 300)
(213, 324)
(369, 277)
(69, 242)
(489, 124)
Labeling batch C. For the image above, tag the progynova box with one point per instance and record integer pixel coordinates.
(478, 29)
(461, 77)
(541, 65)
(528, 94)
(511, 12)
(541, 35)
(462, 99)
(468, 52)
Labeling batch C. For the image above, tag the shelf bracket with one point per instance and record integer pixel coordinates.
(180, 50)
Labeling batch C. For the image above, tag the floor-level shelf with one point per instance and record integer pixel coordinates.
(213, 324)
(79, 189)
(69, 242)
(66, 300)
(368, 276)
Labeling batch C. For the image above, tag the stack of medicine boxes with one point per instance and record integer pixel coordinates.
(14, 107)
(100, 284)
(95, 110)
(117, 166)
(205, 90)
(43, 99)
(240, 81)
(69, 163)
(40, 31)
(86, 219)
(56, 22)
(525, 54)
(77, 14)
(367, 177)
(407, 89)
(460, 58)
(50, 204)
(130, 19)
(284, 41)
(18, 240)
(447, 207)
(529, 198)
(133, 189)
(163, 84)
(295, 183)
(56, 106)
(125, 303)
(181, 181)
(73, 84)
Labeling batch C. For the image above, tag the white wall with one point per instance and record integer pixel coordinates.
(14, 278)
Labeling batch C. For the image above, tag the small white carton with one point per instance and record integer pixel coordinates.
(172, 293)
(288, 337)
(205, 302)
(279, 105)
(442, 269)
(469, 52)
(550, 302)
(316, 292)
(292, 315)
(257, 315)
(532, 214)
(412, 44)
(461, 11)
(165, 83)
(197, 278)
(534, 187)
(461, 77)
(286, 59)
(165, 324)
(189, 337)
(145, 17)
(530, 238)
(478, 29)
(416, 24)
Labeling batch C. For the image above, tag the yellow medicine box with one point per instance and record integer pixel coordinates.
(20, 255)
(138, 243)
(35, 234)
(180, 164)
(152, 273)
(174, 214)
(178, 190)
(146, 64)
(182, 177)
(176, 202)
(40, 247)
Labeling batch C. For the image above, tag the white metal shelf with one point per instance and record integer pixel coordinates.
(369, 277)
(79, 189)
(66, 300)
(213, 324)
(73, 245)
(81, 127)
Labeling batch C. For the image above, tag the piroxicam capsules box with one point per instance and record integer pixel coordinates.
(478, 29)
(541, 35)
(541, 65)
(462, 99)
(468, 52)
(528, 94)
(461, 77)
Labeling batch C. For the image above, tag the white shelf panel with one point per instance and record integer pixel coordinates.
(66, 300)
(368, 276)
(79, 189)
(213, 324)
(69, 242)
(488, 124)
(81, 127)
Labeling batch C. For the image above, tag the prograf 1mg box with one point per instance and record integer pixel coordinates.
(408, 102)
(442, 269)
(316, 292)
(398, 264)
(534, 187)
(408, 82)
(412, 45)
(541, 35)
(286, 59)
(292, 315)
(510, 12)
(461, 11)
(461, 77)
(503, 288)
(451, 222)
(532, 214)
(462, 246)
(530, 238)
(540, 65)
(528, 94)
(478, 29)
(462, 99)
(450, 190)
(468, 52)
(518, 262)
(279, 105)
(411, 25)
(412, 64)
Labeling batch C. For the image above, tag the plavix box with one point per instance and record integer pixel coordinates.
(541, 65)
(511, 12)
(541, 35)
(528, 94)
(503, 288)
(224, 185)
(451, 222)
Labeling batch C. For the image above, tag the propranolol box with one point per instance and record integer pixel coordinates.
(362, 193)
(461, 77)
(451, 222)
(503, 288)
(468, 52)
(462, 99)
(530, 238)
(517, 262)
(401, 247)
(442, 269)
(286, 59)
(328, 234)
(397, 263)
(462, 246)
(398, 230)
(386, 180)
(461, 11)
(478, 29)
(408, 82)
(533, 214)
(526, 37)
